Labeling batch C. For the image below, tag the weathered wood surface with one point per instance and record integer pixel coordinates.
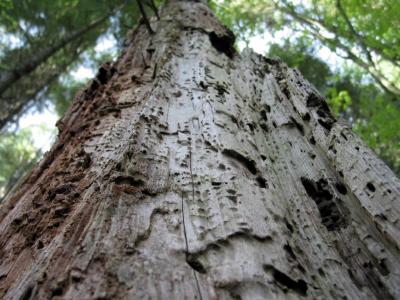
(186, 170)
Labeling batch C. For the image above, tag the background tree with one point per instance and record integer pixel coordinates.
(46, 38)
(17, 156)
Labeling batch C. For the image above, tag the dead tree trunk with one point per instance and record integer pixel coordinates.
(186, 170)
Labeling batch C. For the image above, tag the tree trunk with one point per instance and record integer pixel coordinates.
(186, 170)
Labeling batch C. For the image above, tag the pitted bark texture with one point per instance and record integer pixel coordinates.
(188, 171)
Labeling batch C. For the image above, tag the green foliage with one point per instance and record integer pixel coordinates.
(31, 27)
(380, 129)
(62, 92)
(17, 154)
(365, 32)
(338, 101)
(243, 17)
(6, 5)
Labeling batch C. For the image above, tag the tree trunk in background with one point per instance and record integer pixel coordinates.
(20, 85)
(17, 99)
(186, 170)
(9, 77)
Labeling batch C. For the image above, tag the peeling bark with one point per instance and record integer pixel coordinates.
(188, 171)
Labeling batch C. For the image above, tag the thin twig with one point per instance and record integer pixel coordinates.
(143, 12)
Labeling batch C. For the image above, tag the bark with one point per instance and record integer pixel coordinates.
(186, 170)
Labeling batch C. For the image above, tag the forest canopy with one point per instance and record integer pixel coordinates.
(348, 49)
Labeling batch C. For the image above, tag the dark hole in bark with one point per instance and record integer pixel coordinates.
(102, 75)
(86, 161)
(299, 286)
(301, 268)
(312, 140)
(383, 269)
(203, 85)
(64, 189)
(327, 124)
(148, 192)
(312, 189)
(371, 187)
(380, 284)
(322, 113)
(57, 291)
(289, 251)
(251, 127)
(17, 222)
(343, 136)
(129, 180)
(326, 120)
(298, 125)
(285, 90)
(232, 198)
(195, 264)
(306, 117)
(264, 126)
(341, 188)
(263, 114)
(248, 163)
(313, 100)
(289, 226)
(27, 294)
(40, 245)
(215, 183)
(382, 216)
(220, 89)
(223, 43)
(262, 183)
(331, 217)
(61, 212)
(93, 86)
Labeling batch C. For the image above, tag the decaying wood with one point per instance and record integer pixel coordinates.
(185, 170)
